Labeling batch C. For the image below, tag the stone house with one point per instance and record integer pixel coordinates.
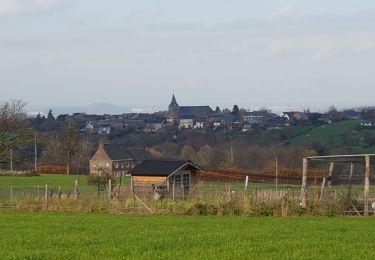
(116, 159)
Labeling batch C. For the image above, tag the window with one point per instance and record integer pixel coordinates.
(186, 180)
(177, 180)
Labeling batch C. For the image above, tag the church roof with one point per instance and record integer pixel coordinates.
(195, 110)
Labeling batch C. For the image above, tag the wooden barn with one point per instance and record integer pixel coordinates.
(164, 178)
(116, 159)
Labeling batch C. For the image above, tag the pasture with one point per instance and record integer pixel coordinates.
(54, 180)
(44, 235)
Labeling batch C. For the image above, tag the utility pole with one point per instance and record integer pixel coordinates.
(35, 154)
(277, 171)
(231, 156)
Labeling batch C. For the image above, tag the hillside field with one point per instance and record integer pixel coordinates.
(323, 133)
(332, 135)
(94, 236)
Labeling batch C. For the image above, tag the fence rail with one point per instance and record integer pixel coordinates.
(121, 198)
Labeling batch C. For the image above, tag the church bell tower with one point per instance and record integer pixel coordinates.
(173, 109)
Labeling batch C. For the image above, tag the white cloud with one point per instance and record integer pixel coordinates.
(11, 8)
(285, 11)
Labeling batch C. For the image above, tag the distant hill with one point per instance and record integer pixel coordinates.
(95, 108)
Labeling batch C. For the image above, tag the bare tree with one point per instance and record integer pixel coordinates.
(204, 155)
(69, 139)
(14, 132)
(188, 153)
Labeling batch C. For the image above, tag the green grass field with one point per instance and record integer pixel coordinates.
(26, 235)
(325, 133)
(20, 185)
(49, 179)
(53, 180)
(67, 181)
(331, 135)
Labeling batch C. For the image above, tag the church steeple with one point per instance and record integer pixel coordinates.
(173, 109)
(173, 102)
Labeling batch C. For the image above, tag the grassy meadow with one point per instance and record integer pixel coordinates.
(41, 180)
(25, 235)
(331, 135)
(67, 181)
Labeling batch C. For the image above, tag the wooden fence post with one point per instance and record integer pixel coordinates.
(350, 181)
(246, 181)
(330, 173)
(76, 189)
(46, 194)
(304, 184)
(59, 192)
(109, 188)
(367, 185)
(322, 188)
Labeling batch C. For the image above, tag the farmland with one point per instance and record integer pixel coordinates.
(97, 236)
(324, 133)
(336, 135)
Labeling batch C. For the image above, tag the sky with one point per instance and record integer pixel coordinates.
(207, 52)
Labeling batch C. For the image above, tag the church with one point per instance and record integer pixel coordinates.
(177, 113)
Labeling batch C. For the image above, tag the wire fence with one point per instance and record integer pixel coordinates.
(343, 192)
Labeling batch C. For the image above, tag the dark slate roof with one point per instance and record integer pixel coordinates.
(117, 152)
(140, 154)
(195, 110)
(121, 152)
(187, 117)
(160, 167)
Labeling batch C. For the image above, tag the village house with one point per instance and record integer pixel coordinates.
(200, 124)
(116, 159)
(104, 129)
(90, 127)
(186, 122)
(153, 127)
(367, 124)
(296, 117)
(164, 178)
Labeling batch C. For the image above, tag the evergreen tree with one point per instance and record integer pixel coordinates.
(235, 110)
(50, 115)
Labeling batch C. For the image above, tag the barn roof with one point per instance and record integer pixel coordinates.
(161, 167)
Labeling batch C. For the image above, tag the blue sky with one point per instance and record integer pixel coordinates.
(137, 53)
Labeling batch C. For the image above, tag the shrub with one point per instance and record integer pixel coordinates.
(52, 169)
